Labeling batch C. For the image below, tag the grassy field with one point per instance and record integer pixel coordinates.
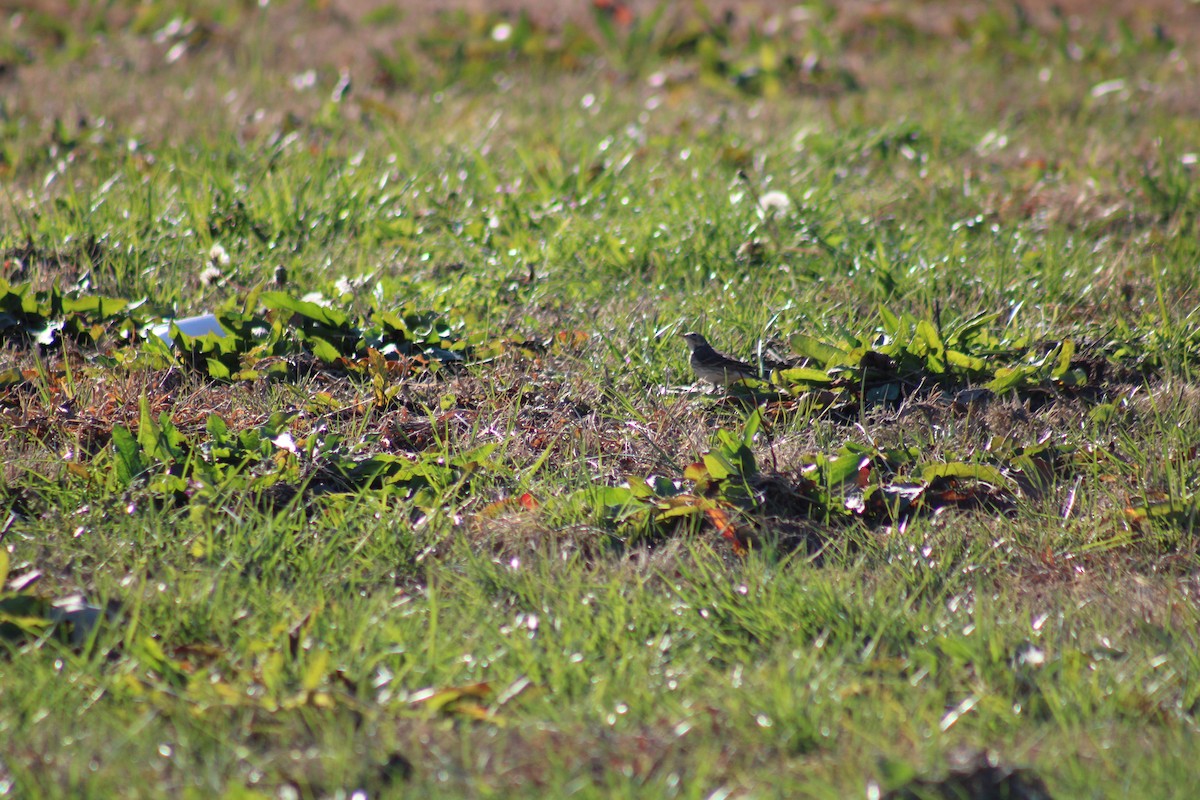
(443, 512)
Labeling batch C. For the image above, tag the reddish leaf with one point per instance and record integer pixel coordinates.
(572, 339)
(724, 525)
(619, 12)
(864, 474)
(698, 473)
(508, 504)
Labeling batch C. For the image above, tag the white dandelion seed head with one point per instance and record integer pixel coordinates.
(218, 255)
(210, 275)
(774, 201)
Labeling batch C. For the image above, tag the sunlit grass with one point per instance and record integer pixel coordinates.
(274, 625)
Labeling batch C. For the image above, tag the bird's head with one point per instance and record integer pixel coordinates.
(694, 340)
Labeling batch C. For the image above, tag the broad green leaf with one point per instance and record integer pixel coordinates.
(217, 370)
(323, 350)
(933, 349)
(618, 505)
(155, 346)
(148, 433)
(616, 496)
(854, 356)
(729, 444)
(251, 302)
(963, 361)
(395, 322)
(927, 334)
(1073, 377)
(1066, 352)
(811, 347)
(968, 327)
(960, 469)
(94, 306)
(796, 376)
(843, 468)
(128, 455)
(753, 423)
(719, 467)
(474, 457)
(891, 323)
(1180, 511)
(682, 506)
(4, 564)
(1009, 378)
(639, 487)
(325, 316)
(899, 456)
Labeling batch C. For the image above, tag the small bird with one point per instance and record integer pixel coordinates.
(716, 368)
